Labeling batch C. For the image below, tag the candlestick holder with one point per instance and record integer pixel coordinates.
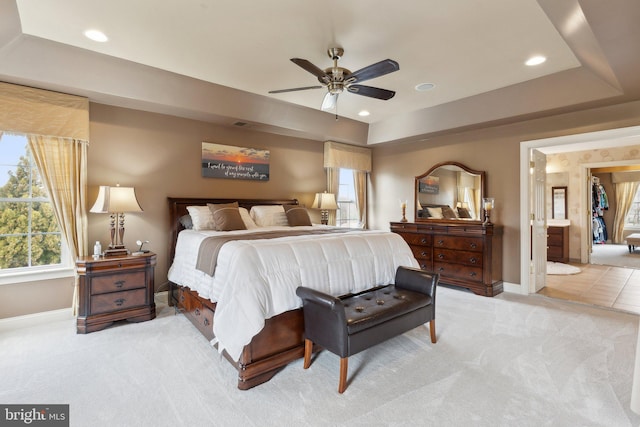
(488, 204)
(403, 206)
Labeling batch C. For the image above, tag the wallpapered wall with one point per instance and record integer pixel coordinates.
(574, 164)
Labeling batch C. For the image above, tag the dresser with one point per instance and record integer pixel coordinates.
(558, 243)
(115, 288)
(468, 255)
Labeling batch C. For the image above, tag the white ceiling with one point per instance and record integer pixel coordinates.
(216, 60)
(464, 47)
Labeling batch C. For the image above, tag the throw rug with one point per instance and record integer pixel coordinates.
(560, 268)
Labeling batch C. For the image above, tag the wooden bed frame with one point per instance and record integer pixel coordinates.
(280, 342)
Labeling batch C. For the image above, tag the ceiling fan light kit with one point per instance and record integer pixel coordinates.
(336, 79)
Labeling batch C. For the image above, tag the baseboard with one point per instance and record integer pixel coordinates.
(512, 287)
(18, 322)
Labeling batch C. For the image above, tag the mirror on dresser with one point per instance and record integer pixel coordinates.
(449, 191)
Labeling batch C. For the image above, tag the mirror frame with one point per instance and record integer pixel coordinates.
(483, 193)
(561, 204)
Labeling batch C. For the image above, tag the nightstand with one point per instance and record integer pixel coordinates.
(115, 288)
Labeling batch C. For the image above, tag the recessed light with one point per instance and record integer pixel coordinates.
(535, 60)
(96, 36)
(363, 113)
(423, 87)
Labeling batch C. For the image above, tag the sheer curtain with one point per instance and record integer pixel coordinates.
(360, 181)
(62, 163)
(625, 193)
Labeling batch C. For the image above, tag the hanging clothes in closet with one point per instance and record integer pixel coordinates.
(599, 204)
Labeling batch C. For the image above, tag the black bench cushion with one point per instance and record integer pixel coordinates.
(380, 305)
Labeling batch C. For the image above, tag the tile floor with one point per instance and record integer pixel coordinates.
(601, 285)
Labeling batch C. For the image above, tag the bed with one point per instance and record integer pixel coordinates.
(253, 317)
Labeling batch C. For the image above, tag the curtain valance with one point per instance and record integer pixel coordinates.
(337, 155)
(631, 176)
(41, 112)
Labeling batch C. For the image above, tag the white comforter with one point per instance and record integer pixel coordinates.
(257, 279)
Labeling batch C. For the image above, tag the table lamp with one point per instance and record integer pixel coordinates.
(116, 201)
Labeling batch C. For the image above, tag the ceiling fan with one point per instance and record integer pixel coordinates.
(337, 79)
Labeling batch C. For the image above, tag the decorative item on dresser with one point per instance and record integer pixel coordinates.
(115, 288)
(465, 254)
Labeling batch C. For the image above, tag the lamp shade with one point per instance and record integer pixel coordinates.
(116, 200)
(325, 201)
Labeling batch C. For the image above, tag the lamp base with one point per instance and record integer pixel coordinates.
(117, 250)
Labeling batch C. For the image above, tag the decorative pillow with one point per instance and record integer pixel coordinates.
(297, 215)
(246, 218)
(186, 221)
(464, 213)
(227, 216)
(435, 213)
(448, 213)
(201, 217)
(269, 215)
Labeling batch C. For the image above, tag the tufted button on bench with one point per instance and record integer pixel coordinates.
(349, 324)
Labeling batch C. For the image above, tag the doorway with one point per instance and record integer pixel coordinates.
(601, 141)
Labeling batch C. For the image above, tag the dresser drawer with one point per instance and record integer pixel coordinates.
(421, 252)
(555, 252)
(117, 282)
(105, 303)
(458, 243)
(554, 240)
(106, 264)
(458, 271)
(417, 239)
(458, 257)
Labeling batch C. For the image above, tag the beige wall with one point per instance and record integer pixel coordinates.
(160, 156)
(495, 150)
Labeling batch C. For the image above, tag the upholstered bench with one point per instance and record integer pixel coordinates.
(349, 324)
(633, 240)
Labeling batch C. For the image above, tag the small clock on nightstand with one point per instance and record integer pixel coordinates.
(115, 288)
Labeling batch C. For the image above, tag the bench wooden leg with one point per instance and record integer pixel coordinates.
(344, 366)
(308, 347)
(432, 329)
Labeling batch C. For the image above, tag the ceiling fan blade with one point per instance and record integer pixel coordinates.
(374, 70)
(320, 74)
(295, 89)
(329, 102)
(372, 92)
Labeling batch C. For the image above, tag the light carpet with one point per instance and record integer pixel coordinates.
(503, 361)
(561, 269)
(615, 255)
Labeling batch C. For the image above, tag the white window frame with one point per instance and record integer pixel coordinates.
(39, 272)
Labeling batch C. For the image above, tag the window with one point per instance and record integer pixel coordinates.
(633, 217)
(347, 214)
(30, 238)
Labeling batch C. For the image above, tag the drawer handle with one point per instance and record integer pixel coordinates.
(182, 298)
(424, 253)
(473, 260)
(441, 256)
(473, 246)
(206, 322)
(441, 242)
(473, 274)
(197, 312)
(423, 240)
(119, 264)
(119, 301)
(441, 269)
(120, 283)
(423, 266)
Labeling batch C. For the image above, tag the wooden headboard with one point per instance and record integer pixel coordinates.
(178, 208)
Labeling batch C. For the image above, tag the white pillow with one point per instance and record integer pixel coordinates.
(269, 215)
(246, 218)
(201, 217)
(435, 212)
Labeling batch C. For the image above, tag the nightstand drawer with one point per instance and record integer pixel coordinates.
(117, 282)
(118, 301)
